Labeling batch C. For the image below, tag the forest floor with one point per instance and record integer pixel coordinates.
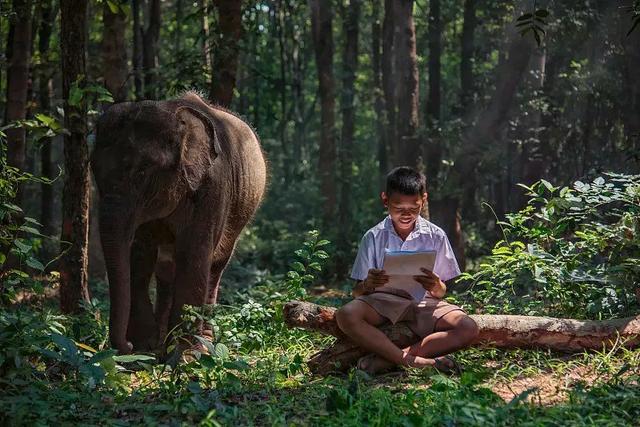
(259, 378)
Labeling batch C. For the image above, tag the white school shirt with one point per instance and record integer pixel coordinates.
(425, 236)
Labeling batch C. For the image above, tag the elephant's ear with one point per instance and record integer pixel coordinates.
(198, 149)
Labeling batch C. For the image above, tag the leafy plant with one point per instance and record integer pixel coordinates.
(570, 251)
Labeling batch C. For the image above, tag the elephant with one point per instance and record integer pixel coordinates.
(177, 180)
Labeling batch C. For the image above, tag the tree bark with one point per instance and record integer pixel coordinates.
(322, 27)
(75, 197)
(502, 331)
(435, 52)
(350, 67)
(467, 84)
(136, 57)
(406, 70)
(489, 123)
(630, 68)
(378, 102)
(225, 56)
(203, 5)
(18, 58)
(45, 93)
(114, 53)
(150, 37)
(389, 82)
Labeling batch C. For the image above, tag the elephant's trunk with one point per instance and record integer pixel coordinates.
(116, 233)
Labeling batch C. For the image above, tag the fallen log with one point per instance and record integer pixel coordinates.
(502, 331)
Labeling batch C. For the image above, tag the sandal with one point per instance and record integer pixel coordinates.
(453, 367)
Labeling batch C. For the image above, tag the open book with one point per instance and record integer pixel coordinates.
(401, 266)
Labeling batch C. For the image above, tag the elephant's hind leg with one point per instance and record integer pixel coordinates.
(143, 330)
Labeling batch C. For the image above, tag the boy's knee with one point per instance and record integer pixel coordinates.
(469, 328)
(347, 316)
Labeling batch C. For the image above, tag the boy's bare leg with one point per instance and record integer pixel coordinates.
(454, 331)
(358, 320)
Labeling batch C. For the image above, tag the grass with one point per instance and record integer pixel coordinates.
(269, 384)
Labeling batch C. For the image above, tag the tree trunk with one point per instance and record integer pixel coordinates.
(489, 123)
(321, 24)
(467, 85)
(45, 93)
(381, 118)
(18, 57)
(631, 67)
(502, 331)
(75, 197)
(114, 53)
(150, 37)
(350, 67)
(389, 82)
(435, 52)
(406, 80)
(136, 57)
(533, 162)
(225, 57)
(203, 5)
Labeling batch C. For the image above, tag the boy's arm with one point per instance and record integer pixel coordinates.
(431, 282)
(358, 289)
(375, 278)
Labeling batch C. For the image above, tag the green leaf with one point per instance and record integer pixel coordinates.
(298, 266)
(322, 243)
(75, 96)
(220, 351)
(22, 247)
(113, 7)
(293, 275)
(35, 264)
(126, 358)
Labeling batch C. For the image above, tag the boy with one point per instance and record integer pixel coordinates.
(443, 327)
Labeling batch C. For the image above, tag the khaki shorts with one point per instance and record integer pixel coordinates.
(398, 306)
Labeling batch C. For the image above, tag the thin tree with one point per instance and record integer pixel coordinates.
(45, 93)
(389, 79)
(18, 56)
(321, 28)
(467, 83)
(350, 67)
(75, 196)
(136, 57)
(150, 37)
(378, 102)
(225, 56)
(114, 52)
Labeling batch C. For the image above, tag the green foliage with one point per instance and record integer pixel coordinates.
(635, 16)
(533, 22)
(570, 252)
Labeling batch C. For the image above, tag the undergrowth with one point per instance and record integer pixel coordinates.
(58, 370)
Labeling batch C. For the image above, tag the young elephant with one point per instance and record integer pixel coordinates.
(178, 180)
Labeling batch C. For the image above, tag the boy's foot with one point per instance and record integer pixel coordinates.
(447, 365)
(373, 364)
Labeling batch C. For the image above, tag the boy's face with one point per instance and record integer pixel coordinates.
(403, 209)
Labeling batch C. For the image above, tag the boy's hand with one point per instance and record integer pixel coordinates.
(432, 283)
(375, 279)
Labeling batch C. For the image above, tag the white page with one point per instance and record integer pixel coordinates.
(401, 266)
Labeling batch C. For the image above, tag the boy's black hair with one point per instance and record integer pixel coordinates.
(406, 180)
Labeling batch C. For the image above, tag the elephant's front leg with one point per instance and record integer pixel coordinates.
(193, 260)
(142, 330)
